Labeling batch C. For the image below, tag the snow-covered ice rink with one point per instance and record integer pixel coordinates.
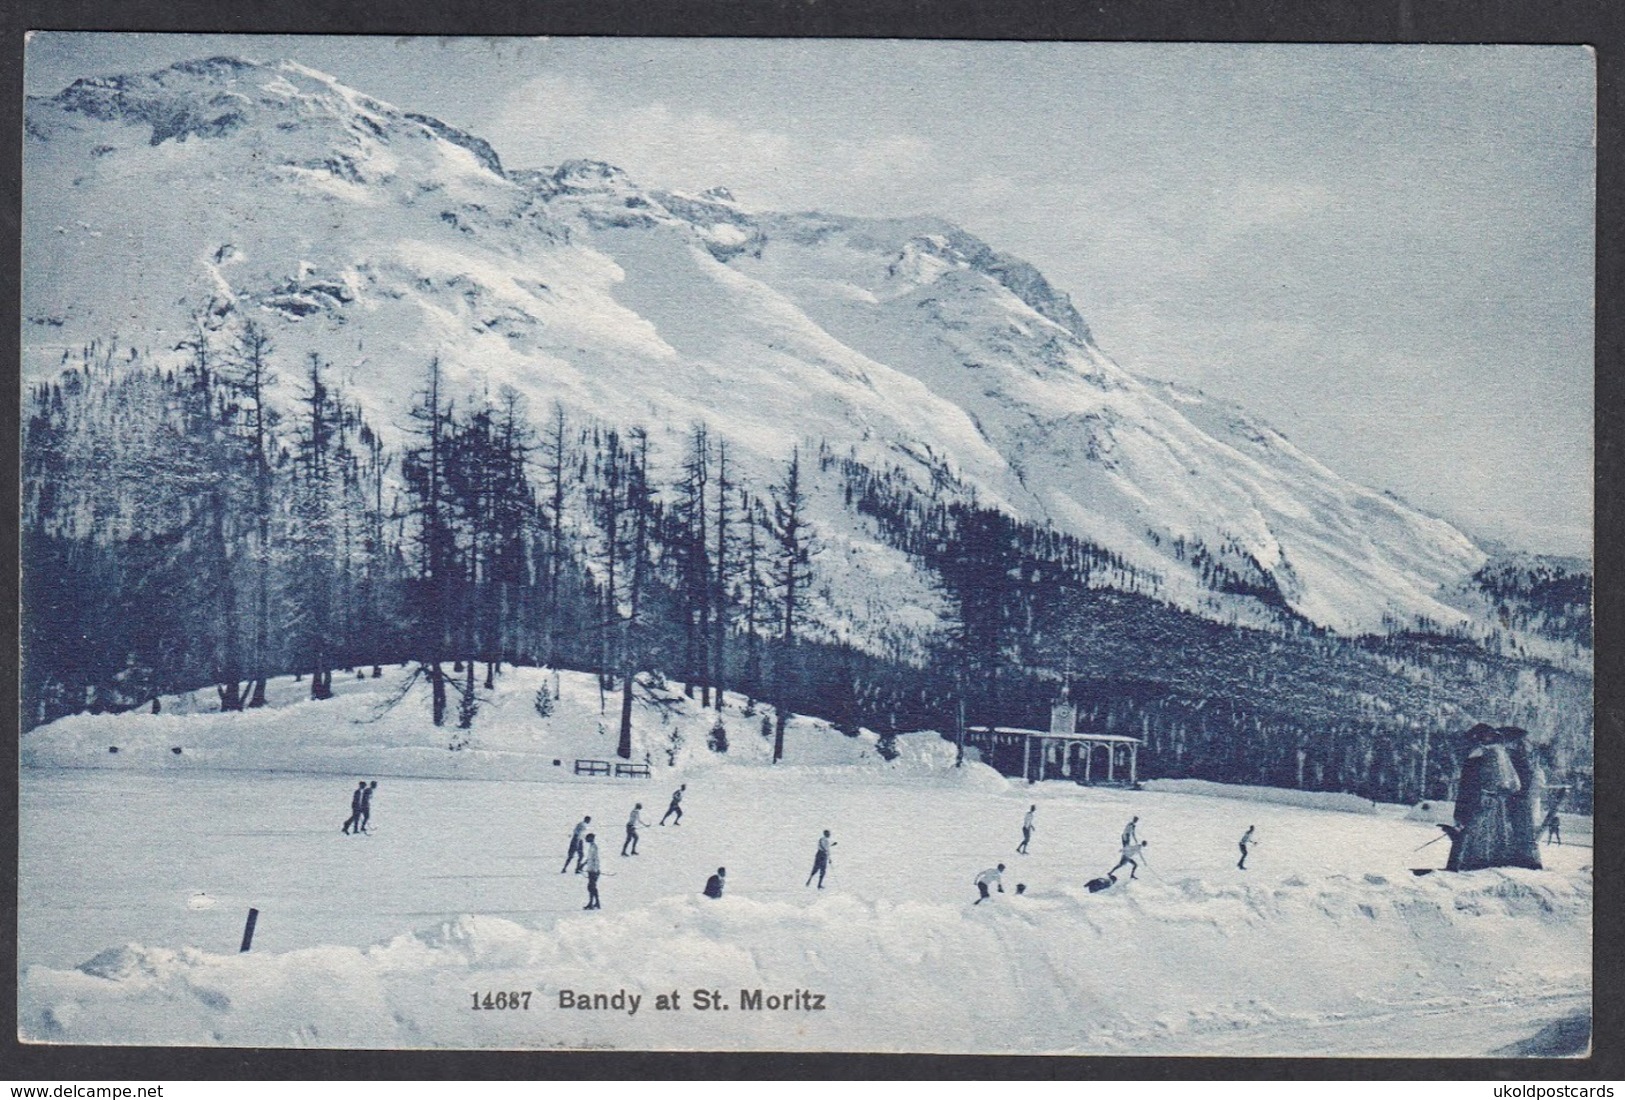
(137, 874)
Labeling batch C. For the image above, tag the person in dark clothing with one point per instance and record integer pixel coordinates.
(576, 853)
(676, 806)
(366, 804)
(355, 808)
(713, 885)
(1096, 885)
(993, 876)
(821, 859)
(1027, 827)
(590, 856)
(1553, 826)
(1246, 843)
(632, 823)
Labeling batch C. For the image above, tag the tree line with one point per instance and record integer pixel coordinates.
(1031, 609)
(181, 528)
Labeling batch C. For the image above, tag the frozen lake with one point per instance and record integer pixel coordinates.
(1327, 923)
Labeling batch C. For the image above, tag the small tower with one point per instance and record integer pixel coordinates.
(1063, 716)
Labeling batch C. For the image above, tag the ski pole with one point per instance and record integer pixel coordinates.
(1426, 843)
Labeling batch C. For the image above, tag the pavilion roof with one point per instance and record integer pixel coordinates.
(1110, 738)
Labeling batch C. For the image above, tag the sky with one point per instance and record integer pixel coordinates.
(1386, 252)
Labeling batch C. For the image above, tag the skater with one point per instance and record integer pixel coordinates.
(1133, 856)
(632, 824)
(676, 806)
(1246, 843)
(355, 808)
(1096, 885)
(989, 877)
(366, 804)
(1129, 834)
(821, 859)
(575, 851)
(713, 885)
(590, 856)
(1553, 826)
(1027, 828)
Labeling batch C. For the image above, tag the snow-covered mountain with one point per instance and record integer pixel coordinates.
(381, 238)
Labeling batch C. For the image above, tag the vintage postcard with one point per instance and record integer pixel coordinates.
(791, 545)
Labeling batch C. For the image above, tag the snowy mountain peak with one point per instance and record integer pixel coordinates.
(380, 239)
(924, 248)
(481, 150)
(190, 98)
(924, 260)
(208, 97)
(220, 96)
(595, 192)
(590, 175)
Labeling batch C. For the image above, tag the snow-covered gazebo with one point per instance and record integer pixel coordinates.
(1061, 752)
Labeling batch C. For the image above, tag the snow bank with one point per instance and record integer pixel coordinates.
(1140, 968)
(1311, 800)
(370, 728)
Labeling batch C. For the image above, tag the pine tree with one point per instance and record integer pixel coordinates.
(640, 504)
(424, 470)
(556, 469)
(610, 508)
(251, 379)
(754, 596)
(976, 569)
(209, 460)
(720, 573)
(469, 476)
(375, 549)
(792, 538)
(512, 520)
(312, 534)
(693, 562)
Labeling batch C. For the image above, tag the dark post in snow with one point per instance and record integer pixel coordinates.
(248, 930)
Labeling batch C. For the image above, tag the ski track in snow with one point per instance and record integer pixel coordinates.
(1326, 944)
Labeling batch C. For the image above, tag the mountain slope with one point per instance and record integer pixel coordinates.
(381, 238)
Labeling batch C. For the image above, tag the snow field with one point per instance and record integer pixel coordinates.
(1326, 943)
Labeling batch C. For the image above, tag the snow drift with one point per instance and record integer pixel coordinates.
(1318, 800)
(1161, 966)
(371, 726)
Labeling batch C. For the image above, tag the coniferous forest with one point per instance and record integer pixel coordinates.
(183, 528)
